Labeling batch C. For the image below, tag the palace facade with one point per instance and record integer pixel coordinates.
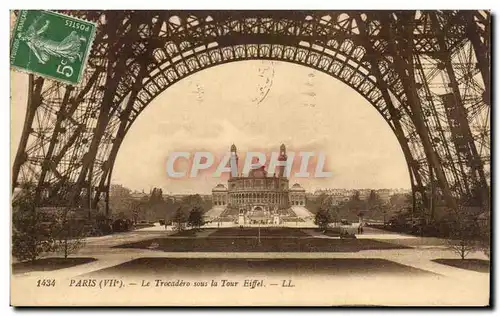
(259, 196)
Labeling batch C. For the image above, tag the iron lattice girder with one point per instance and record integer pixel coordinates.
(296, 25)
(128, 36)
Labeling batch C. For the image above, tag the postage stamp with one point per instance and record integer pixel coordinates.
(251, 158)
(51, 44)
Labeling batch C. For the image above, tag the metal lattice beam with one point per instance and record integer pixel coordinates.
(404, 63)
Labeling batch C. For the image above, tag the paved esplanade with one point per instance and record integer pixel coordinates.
(462, 286)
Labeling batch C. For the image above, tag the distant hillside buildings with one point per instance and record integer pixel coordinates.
(338, 195)
(343, 195)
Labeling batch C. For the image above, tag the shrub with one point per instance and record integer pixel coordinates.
(31, 229)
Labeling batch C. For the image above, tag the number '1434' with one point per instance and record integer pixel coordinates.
(46, 282)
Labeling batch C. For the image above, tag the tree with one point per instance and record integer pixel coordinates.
(464, 234)
(31, 235)
(324, 200)
(31, 227)
(399, 201)
(195, 218)
(120, 199)
(69, 232)
(48, 229)
(319, 201)
(334, 214)
(179, 218)
(355, 203)
(322, 219)
(192, 200)
(485, 233)
(156, 196)
(374, 202)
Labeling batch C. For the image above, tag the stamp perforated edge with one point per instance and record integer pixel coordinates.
(87, 52)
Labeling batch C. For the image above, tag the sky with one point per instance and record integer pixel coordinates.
(257, 105)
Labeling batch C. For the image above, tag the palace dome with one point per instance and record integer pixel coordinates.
(220, 187)
(297, 187)
(258, 173)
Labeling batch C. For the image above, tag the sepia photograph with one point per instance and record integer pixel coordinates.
(250, 158)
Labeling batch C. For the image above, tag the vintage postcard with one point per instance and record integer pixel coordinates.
(250, 158)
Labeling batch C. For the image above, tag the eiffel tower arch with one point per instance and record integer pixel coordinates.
(426, 72)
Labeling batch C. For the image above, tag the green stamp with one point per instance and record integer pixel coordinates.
(52, 45)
